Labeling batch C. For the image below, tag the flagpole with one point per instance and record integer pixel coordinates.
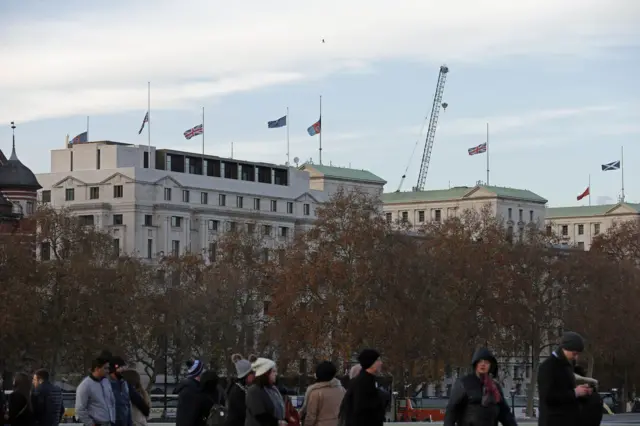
(320, 133)
(622, 172)
(232, 150)
(149, 122)
(288, 123)
(202, 167)
(487, 153)
(589, 188)
(87, 128)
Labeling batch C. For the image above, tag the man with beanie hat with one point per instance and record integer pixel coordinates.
(189, 390)
(559, 395)
(363, 404)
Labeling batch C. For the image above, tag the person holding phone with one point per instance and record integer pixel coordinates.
(559, 393)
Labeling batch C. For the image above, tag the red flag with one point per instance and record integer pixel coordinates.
(584, 194)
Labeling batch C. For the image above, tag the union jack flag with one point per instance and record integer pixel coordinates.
(480, 149)
(195, 131)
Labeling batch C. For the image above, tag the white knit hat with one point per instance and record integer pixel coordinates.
(262, 366)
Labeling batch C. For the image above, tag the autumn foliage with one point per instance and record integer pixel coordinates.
(426, 300)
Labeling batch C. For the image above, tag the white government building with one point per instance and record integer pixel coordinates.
(182, 201)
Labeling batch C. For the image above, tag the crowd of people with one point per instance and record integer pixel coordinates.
(112, 395)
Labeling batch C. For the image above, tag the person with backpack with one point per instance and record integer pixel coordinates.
(237, 391)
(210, 402)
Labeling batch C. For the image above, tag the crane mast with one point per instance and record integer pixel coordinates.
(431, 132)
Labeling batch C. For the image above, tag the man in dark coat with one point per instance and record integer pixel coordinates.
(189, 394)
(476, 399)
(363, 404)
(559, 405)
(46, 400)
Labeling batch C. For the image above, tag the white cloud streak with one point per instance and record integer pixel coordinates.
(100, 60)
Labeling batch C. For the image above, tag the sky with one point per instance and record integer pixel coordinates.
(557, 81)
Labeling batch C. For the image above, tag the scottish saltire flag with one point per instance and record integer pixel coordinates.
(482, 148)
(315, 128)
(81, 138)
(280, 122)
(194, 131)
(145, 121)
(614, 165)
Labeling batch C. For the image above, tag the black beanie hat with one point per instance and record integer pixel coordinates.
(326, 371)
(368, 357)
(572, 342)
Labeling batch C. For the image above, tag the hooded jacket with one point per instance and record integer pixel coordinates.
(465, 403)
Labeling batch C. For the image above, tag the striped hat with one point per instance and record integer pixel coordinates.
(195, 369)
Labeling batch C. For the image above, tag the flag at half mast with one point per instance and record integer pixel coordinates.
(614, 165)
(584, 194)
(275, 124)
(315, 128)
(194, 131)
(480, 149)
(144, 121)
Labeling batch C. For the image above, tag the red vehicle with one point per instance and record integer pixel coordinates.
(421, 409)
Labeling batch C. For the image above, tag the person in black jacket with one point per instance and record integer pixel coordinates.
(590, 406)
(237, 391)
(559, 405)
(363, 404)
(188, 411)
(476, 399)
(46, 398)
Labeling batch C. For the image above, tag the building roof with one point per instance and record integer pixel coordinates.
(15, 175)
(588, 211)
(344, 173)
(460, 192)
(3, 159)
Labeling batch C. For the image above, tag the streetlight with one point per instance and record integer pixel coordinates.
(513, 400)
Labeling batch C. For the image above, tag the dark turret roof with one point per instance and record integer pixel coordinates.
(15, 175)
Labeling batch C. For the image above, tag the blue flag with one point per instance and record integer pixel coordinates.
(614, 165)
(81, 138)
(280, 122)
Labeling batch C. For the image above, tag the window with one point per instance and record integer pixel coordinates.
(175, 248)
(118, 191)
(549, 230)
(176, 221)
(565, 230)
(405, 216)
(116, 247)
(256, 203)
(167, 194)
(284, 232)
(212, 225)
(596, 228)
(222, 200)
(148, 220)
(509, 234)
(421, 216)
(117, 219)
(289, 208)
(265, 255)
(581, 245)
(231, 226)
(306, 209)
(45, 251)
(520, 215)
(30, 207)
(510, 213)
(251, 228)
(46, 196)
(212, 252)
(204, 198)
(239, 202)
(145, 159)
(274, 206)
(530, 215)
(149, 248)
(94, 193)
(86, 220)
(438, 215)
(185, 196)
(266, 230)
(389, 217)
(69, 194)
(580, 229)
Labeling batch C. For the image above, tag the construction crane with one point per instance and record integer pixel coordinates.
(431, 131)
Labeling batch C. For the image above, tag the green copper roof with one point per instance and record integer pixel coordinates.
(344, 173)
(458, 193)
(583, 211)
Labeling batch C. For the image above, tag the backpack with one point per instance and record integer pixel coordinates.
(217, 415)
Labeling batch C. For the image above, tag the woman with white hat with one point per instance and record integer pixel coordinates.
(265, 405)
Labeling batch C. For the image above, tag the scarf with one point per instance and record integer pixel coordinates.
(277, 401)
(490, 392)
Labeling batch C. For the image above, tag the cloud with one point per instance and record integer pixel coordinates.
(98, 57)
